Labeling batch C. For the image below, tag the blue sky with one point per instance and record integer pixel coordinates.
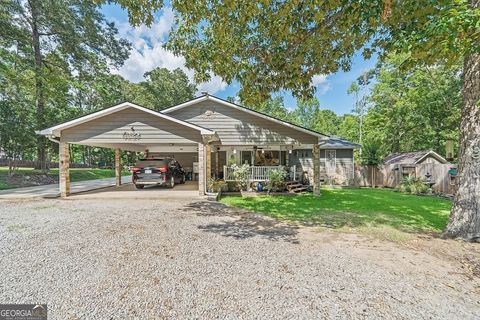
(148, 53)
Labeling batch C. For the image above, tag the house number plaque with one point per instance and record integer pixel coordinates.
(131, 135)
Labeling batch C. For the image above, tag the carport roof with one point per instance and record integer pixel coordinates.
(55, 130)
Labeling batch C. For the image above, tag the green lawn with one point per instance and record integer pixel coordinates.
(76, 174)
(337, 208)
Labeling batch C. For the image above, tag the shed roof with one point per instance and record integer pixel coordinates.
(414, 157)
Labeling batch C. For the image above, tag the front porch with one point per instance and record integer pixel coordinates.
(300, 162)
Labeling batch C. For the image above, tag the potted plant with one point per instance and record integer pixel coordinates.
(215, 188)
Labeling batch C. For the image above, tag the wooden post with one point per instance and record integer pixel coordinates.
(118, 167)
(217, 165)
(64, 169)
(201, 169)
(208, 162)
(316, 169)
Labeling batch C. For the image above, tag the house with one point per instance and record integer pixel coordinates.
(206, 135)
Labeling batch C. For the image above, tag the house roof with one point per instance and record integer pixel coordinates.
(339, 143)
(55, 130)
(412, 157)
(206, 97)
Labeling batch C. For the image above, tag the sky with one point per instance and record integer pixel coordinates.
(148, 53)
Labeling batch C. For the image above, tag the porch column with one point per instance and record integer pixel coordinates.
(118, 167)
(201, 169)
(316, 169)
(217, 165)
(208, 162)
(64, 169)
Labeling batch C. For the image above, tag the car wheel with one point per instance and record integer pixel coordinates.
(172, 182)
(139, 186)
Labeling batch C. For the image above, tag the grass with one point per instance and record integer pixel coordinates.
(353, 208)
(76, 174)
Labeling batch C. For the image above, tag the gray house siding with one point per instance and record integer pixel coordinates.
(110, 129)
(343, 170)
(344, 166)
(236, 127)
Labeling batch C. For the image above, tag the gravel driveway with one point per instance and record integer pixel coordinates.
(183, 259)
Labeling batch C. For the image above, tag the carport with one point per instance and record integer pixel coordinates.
(131, 127)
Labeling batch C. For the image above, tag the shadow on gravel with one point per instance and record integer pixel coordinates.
(245, 224)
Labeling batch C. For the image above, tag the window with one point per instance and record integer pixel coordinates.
(246, 157)
(408, 172)
(267, 158)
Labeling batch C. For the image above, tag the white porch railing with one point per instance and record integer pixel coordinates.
(258, 173)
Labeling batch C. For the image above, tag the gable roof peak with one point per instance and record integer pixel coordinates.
(244, 109)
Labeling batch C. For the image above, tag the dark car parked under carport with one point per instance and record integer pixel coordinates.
(157, 171)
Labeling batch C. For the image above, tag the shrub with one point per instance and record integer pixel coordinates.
(412, 185)
(276, 180)
(241, 175)
(232, 186)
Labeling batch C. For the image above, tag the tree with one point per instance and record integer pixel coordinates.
(307, 113)
(273, 107)
(414, 109)
(163, 88)
(68, 36)
(328, 123)
(348, 128)
(359, 89)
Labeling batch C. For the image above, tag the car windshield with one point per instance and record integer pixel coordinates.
(142, 163)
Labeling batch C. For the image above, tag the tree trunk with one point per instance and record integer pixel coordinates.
(39, 90)
(464, 219)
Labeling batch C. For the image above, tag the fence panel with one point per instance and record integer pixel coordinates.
(390, 176)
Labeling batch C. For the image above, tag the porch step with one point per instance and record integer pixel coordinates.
(295, 186)
(298, 189)
(291, 182)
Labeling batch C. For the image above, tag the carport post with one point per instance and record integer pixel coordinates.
(64, 169)
(208, 162)
(118, 167)
(316, 169)
(201, 169)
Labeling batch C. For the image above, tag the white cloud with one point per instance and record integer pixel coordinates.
(320, 81)
(148, 53)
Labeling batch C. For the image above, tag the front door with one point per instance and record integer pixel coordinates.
(330, 160)
(219, 160)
